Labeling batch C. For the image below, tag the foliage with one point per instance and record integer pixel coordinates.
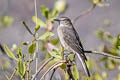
(111, 48)
(6, 21)
(47, 43)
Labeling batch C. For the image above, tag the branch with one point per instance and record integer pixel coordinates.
(36, 35)
(84, 13)
(54, 66)
(38, 71)
(69, 72)
(27, 28)
(28, 68)
(1, 48)
(102, 53)
(13, 74)
(52, 74)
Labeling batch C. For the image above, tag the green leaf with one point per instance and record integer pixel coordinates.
(6, 21)
(108, 36)
(45, 36)
(55, 41)
(21, 68)
(71, 57)
(37, 27)
(75, 73)
(60, 50)
(39, 21)
(100, 34)
(55, 54)
(26, 43)
(66, 76)
(31, 49)
(63, 66)
(54, 14)
(117, 42)
(45, 11)
(20, 54)
(9, 52)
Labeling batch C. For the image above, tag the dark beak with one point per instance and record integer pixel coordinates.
(56, 20)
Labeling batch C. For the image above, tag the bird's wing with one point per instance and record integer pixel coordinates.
(72, 39)
(83, 64)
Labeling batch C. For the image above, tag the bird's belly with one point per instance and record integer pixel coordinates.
(61, 38)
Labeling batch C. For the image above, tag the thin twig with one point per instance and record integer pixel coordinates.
(69, 72)
(52, 74)
(54, 66)
(1, 48)
(38, 71)
(36, 59)
(13, 74)
(28, 69)
(103, 53)
(84, 13)
(27, 28)
(37, 47)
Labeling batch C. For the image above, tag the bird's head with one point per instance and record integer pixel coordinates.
(63, 20)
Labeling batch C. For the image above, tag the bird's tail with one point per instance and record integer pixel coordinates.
(83, 64)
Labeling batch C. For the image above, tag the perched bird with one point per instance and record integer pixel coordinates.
(70, 40)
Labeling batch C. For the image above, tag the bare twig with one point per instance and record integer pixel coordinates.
(52, 74)
(69, 72)
(13, 74)
(36, 58)
(28, 69)
(37, 47)
(27, 28)
(38, 71)
(1, 48)
(54, 66)
(102, 53)
(84, 13)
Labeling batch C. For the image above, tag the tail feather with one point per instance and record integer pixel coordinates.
(83, 64)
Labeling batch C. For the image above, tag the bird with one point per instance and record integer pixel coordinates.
(70, 40)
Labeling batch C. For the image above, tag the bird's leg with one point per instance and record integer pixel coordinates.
(66, 54)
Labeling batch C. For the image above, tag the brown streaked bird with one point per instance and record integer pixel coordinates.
(70, 40)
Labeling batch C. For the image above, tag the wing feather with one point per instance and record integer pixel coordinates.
(71, 36)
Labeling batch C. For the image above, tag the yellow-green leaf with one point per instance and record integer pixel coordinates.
(45, 35)
(32, 48)
(45, 11)
(9, 52)
(66, 76)
(55, 54)
(39, 21)
(100, 34)
(54, 12)
(20, 54)
(75, 72)
(21, 68)
(55, 41)
(37, 27)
